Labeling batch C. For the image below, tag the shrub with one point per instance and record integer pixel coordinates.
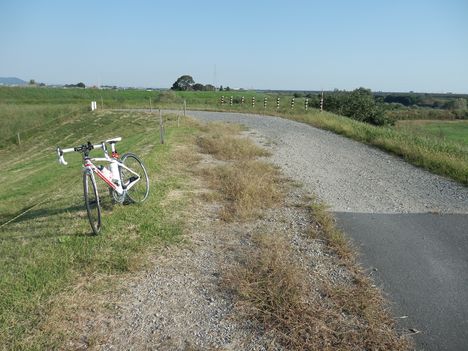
(358, 104)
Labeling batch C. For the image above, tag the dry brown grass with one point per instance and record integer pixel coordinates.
(227, 147)
(275, 291)
(224, 142)
(247, 188)
(323, 227)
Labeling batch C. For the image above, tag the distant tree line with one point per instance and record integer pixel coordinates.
(379, 109)
(425, 100)
(186, 83)
(78, 85)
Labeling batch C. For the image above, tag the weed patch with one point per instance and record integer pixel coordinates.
(230, 148)
(323, 227)
(275, 291)
(247, 187)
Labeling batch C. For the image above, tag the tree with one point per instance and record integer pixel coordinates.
(358, 104)
(32, 82)
(456, 104)
(198, 87)
(361, 106)
(81, 85)
(184, 82)
(209, 87)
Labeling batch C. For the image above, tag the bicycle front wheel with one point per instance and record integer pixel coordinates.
(138, 192)
(93, 206)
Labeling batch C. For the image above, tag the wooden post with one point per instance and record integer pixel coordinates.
(102, 103)
(19, 138)
(161, 127)
(185, 107)
(151, 107)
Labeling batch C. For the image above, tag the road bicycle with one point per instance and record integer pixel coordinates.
(126, 177)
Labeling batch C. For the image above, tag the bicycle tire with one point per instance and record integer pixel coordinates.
(140, 191)
(93, 206)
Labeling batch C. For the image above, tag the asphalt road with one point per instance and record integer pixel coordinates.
(410, 226)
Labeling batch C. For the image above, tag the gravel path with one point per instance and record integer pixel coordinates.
(350, 176)
(410, 226)
(181, 302)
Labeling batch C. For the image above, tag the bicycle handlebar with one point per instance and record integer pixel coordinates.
(83, 148)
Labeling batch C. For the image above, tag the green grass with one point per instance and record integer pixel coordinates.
(49, 248)
(451, 131)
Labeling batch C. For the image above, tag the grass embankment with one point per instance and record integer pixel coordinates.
(28, 120)
(272, 287)
(47, 253)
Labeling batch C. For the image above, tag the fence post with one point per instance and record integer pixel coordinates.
(321, 103)
(277, 103)
(185, 107)
(102, 103)
(151, 107)
(161, 127)
(19, 138)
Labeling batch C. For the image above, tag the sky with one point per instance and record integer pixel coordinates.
(398, 45)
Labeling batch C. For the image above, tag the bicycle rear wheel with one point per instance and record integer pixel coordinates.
(93, 206)
(140, 190)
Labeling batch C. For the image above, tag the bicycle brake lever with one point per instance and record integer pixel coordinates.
(61, 160)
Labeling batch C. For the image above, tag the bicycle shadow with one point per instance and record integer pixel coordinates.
(47, 222)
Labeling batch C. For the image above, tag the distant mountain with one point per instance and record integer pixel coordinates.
(12, 81)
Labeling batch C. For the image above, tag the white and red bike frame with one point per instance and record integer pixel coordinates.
(111, 176)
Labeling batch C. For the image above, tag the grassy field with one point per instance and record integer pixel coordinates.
(49, 248)
(452, 131)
